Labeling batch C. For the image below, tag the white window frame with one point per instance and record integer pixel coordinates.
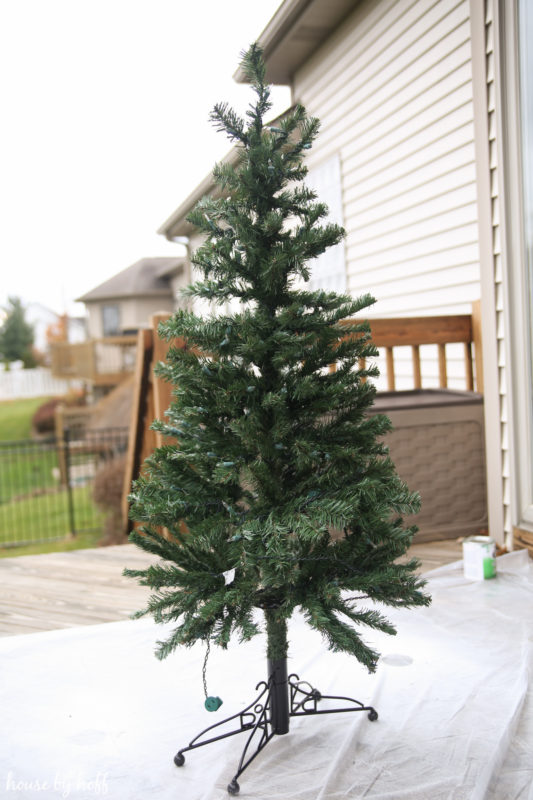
(517, 277)
(325, 178)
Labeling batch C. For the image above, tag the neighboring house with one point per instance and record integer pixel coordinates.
(40, 318)
(425, 157)
(116, 310)
(125, 302)
(76, 329)
(65, 329)
(43, 320)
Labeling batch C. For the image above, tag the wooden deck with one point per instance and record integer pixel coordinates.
(86, 587)
(104, 362)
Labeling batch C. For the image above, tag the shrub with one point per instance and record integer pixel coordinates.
(107, 494)
(43, 420)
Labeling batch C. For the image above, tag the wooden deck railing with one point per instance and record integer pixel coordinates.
(414, 332)
(103, 362)
(152, 396)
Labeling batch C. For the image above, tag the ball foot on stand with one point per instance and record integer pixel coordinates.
(233, 787)
(373, 715)
(179, 759)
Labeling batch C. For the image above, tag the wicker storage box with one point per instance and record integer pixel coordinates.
(438, 448)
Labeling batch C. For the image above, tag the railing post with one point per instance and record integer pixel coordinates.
(60, 439)
(70, 499)
(469, 366)
(478, 344)
(391, 378)
(443, 372)
(417, 370)
(140, 419)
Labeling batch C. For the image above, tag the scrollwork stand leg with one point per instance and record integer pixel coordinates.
(280, 698)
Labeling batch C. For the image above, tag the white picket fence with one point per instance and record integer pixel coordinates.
(38, 382)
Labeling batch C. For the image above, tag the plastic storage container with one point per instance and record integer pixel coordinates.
(438, 448)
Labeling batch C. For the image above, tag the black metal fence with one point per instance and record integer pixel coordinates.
(46, 485)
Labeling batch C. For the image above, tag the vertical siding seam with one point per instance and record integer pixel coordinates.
(493, 163)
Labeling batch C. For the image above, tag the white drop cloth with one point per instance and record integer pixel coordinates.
(89, 712)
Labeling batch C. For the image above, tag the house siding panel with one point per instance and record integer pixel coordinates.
(136, 312)
(393, 90)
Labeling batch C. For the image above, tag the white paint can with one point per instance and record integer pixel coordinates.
(479, 558)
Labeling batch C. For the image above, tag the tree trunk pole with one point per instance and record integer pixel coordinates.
(277, 647)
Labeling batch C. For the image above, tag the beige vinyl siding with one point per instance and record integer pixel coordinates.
(177, 284)
(498, 271)
(393, 90)
(200, 307)
(137, 311)
(134, 312)
(203, 308)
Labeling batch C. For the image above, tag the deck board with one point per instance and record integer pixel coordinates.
(86, 587)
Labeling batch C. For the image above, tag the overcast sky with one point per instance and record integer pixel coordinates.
(104, 132)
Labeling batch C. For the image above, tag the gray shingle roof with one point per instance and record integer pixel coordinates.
(146, 278)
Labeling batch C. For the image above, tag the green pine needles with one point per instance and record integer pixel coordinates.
(280, 473)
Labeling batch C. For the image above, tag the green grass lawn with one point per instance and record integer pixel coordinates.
(15, 417)
(23, 469)
(47, 517)
(42, 521)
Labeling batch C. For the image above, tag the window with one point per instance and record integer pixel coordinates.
(328, 271)
(525, 58)
(525, 33)
(515, 24)
(111, 320)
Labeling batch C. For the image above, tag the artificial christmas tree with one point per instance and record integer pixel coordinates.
(279, 493)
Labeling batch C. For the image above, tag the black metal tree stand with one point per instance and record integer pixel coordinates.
(281, 697)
